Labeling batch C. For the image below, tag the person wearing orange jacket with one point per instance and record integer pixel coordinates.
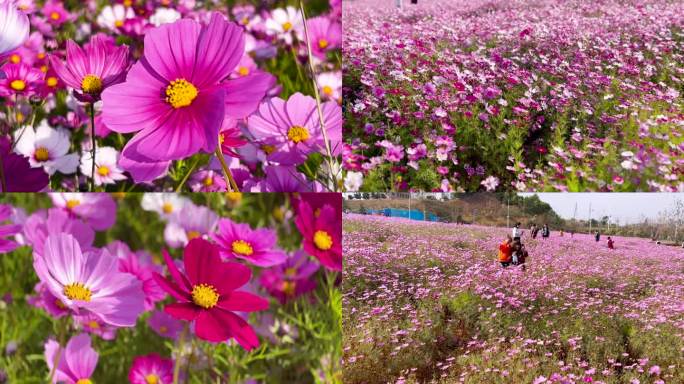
(506, 251)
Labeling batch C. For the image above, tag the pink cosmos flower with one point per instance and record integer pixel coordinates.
(292, 128)
(14, 27)
(96, 209)
(19, 79)
(291, 279)
(187, 64)
(89, 281)
(189, 223)
(324, 35)
(140, 266)
(46, 300)
(257, 246)
(92, 324)
(150, 369)
(92, 69)
(207, 180)
(322, 234)
(55, 13)
(165, 325)
(7, 229)
(207, 295)
(40, 225)
(76, 363)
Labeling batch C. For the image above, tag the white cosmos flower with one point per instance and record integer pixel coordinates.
(330, 85)
(107, 170)
(46, 147)
(490, 183)
(14, 27)
(283, 22)
(165, 204)
(164, 16)
(353, 181)
(114, 17)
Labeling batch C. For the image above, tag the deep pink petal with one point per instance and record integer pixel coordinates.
(201, 260)
(184, 311)
(143, 172)
(170, 49)
(244, 94)
(243, 332)
(220, 47)
(170, 288)
(180, 279)
(243, 302)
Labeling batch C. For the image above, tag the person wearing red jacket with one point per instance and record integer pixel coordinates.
(506, 252)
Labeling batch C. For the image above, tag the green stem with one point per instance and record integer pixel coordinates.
(187, 175)
(92, 135)
(230, 182)
(176, 368)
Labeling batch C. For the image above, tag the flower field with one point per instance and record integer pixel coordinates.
(166, 288)
(428, 302)
(514, 95)
(160, 95)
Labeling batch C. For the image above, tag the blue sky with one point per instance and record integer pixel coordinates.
(627, 207)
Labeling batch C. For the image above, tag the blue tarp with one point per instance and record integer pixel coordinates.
(405, 213)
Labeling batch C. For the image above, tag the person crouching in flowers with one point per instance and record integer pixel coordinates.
(506, 251)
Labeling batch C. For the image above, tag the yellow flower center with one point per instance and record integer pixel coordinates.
(245, 20)
(243, 71)
(180, 93)
(119, 23)
(193, 235)
(323, 43)
(163, 329)
(317, 212)
(93, 324)
(289, 287)
(84, 381)
(59, 304)
(242, 247)
(119, 195)
(77, 291)
(167, 208)
(205, 295)
(287, 26)
(268, 149)
(297, 134)
(208, 181)
(55, 16)
(278, 214)
(128, 3)
(18, 85)
(15, 59)
(41, 154)
(91, 84)
(20, 117)
(41, 55)
(44, 68)
(71, 204)
(51, 81)
(103, 170)
(152, 379)
(323, 240)
(234, 197)
(291, 272)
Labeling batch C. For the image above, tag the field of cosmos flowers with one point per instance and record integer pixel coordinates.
(163, 95)
(428, 302)
(165, 288)
(514, 94)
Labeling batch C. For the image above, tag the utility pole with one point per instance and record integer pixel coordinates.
(508, 211)
(590, 217)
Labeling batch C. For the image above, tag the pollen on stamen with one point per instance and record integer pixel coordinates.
(77, 291)
(297, 134)
(205, 295)
(91, 84)
(181, 93)
(323, 240)
(242, 247)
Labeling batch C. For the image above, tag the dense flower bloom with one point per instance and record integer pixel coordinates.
(7, 229)
(89, 281)
(92, 69)
(19, 175)
(258, 246)
(40, 225)
(96, 209)
(283, 22)
(293, 129)
(165, 204)
(151, 369)
(76, 363)
(207, 295)
(46, 147)
(185, 62)
(14, 27)
(322, 234)
(190, 222)
(19, 79)
(107, 169)
(324, 35)
(290, 279)
(114, 17)
(165, 325)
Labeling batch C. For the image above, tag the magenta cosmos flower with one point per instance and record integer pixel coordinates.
(140, 265)
(20, 79)
(207, 295)
(151, 369)
(76, 363)
(291, 279)
(7, 229)
(292, 128)
(325, 35)
(322, 233)
(89, 281)
(165, 325)
(176, 95)
(92, 69)
(258, 246)
(96, 209)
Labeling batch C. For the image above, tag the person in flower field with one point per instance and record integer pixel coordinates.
(610, 243)
(506, 251)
